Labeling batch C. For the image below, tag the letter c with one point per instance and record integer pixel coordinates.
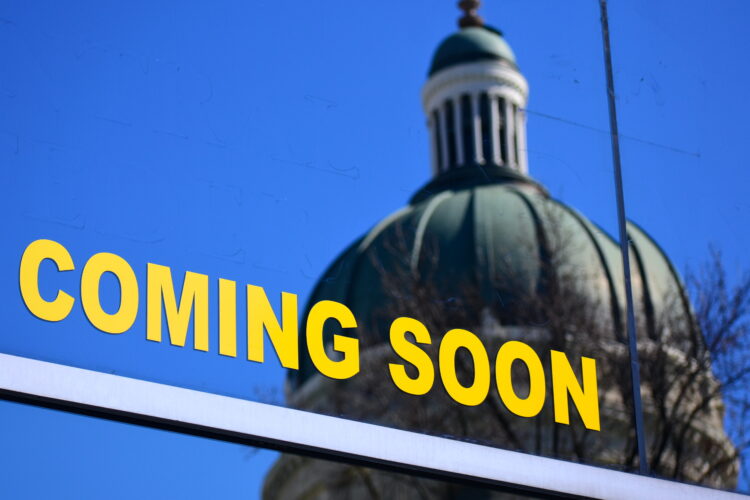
(37, 251)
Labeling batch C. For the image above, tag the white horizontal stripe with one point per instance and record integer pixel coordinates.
(240, 418)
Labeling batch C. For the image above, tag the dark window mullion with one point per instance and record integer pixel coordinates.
(437, 130)
(485, 114)
(502, 124)
(450, 127)
(467, 129)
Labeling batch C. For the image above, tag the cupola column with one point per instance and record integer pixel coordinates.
(521, 140)
(477, 128)
(458, 127)
(510, 133)
(496, 128)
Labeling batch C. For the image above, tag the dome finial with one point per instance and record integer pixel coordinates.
(470, 17)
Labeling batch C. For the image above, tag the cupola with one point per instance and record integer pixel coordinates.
(474, 99)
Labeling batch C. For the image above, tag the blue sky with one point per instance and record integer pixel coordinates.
(255, 140)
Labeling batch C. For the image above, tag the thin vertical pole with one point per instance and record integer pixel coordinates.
(632, 341)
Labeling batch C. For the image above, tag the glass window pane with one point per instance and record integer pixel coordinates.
(677, 97)
(218, 157)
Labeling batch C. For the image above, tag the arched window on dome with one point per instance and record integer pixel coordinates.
(450, 133)
(467, 130)
(438, 142)
(502, 130)
(485, 113)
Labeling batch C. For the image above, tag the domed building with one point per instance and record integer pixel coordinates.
(483, 247)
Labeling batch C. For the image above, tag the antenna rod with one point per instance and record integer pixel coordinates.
(635, 372)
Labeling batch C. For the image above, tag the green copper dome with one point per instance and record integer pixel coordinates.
(486, 232)
(470, 45)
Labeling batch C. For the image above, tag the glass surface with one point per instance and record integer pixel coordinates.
(48, 453)
(256, 143)
(680, 98)
(84, 457)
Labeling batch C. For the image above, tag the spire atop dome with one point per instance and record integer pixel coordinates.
(470, 17)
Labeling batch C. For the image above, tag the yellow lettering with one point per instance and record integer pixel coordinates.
(532, 404)
(413, 354)
(348, 365)
(564, 382)
(160, 290)
(227, 317)
(37, 251)
(260, 315)
(478, 390)
(124, 318)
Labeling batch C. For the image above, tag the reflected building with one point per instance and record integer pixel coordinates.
(483, 247)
